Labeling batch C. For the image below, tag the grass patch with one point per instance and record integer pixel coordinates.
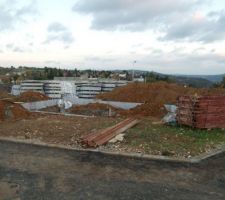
(102, 124)
(172, 140)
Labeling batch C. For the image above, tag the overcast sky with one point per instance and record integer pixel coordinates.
(168, 36)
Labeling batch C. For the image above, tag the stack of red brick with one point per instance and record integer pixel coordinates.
(201, 112)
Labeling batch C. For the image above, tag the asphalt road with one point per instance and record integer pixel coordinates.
(29, 172)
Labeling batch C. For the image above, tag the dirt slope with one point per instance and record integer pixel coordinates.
(154, 96)
(12, 111)
(31, 96)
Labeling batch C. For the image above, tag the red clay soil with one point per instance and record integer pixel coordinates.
(31, 96)
(12, 111)
(154, 96)
(4, 95)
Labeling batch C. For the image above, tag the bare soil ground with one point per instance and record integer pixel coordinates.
(29, 96)
(5, 95)
(54, 129)
(147, 137)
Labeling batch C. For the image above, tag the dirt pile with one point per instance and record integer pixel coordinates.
(12, 111)
(4, 95)
(31, 96)
(154, 96)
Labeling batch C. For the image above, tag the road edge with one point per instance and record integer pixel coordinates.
(194, 160)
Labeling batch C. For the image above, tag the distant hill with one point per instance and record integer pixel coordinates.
(215, 78)
(192, 81)
(199, 81)
(212, 78)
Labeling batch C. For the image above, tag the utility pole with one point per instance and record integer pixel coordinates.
(133, 69)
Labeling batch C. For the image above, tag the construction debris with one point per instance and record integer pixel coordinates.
(118, 138)
(103, 136)
(170, 117)
(201, 112)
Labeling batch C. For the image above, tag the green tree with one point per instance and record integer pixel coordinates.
(151, 77)
(223, 82)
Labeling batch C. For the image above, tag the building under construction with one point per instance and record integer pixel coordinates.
(58, 88)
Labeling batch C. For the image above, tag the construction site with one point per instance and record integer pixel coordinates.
(127, 117)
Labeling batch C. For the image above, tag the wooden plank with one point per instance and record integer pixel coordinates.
(101, 137)
(108, 137)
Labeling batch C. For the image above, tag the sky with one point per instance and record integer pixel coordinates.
(167, 36)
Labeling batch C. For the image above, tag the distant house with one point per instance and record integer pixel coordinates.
(123, 76)
(140, 79)
(84, 76)
(4, 79)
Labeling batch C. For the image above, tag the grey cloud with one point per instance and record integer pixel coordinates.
(10, 15)
(170, 63)
(56, 27)
(6, 19)
(172, 18)
(157, 52)
(58, 32)
(188, 63)
(132, 14)
(53, 62)
(29, 9)
(65, 37)
(99, 59)
(9, 46)
(14, 48)
(206, 30)
(18, 50)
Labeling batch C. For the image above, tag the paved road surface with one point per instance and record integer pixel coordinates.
(29, 172)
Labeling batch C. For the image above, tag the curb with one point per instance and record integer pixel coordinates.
(137, 156)
(63, 114)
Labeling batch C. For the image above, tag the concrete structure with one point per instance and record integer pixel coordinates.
(89, 89)
(16, 90)
(77, 101)
(80, 88)
(53, 89)
(32, 85)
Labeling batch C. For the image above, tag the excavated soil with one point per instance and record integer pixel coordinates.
(153, 96)
(55, 129)
(97, 109)
(31, 96)
(5, 95)
(12, 111)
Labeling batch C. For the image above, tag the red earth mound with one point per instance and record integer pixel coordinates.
(31, 96)
(4, 95)
(12, 111)
(154, 96)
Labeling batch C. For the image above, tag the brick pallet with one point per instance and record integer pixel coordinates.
(201, 112)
